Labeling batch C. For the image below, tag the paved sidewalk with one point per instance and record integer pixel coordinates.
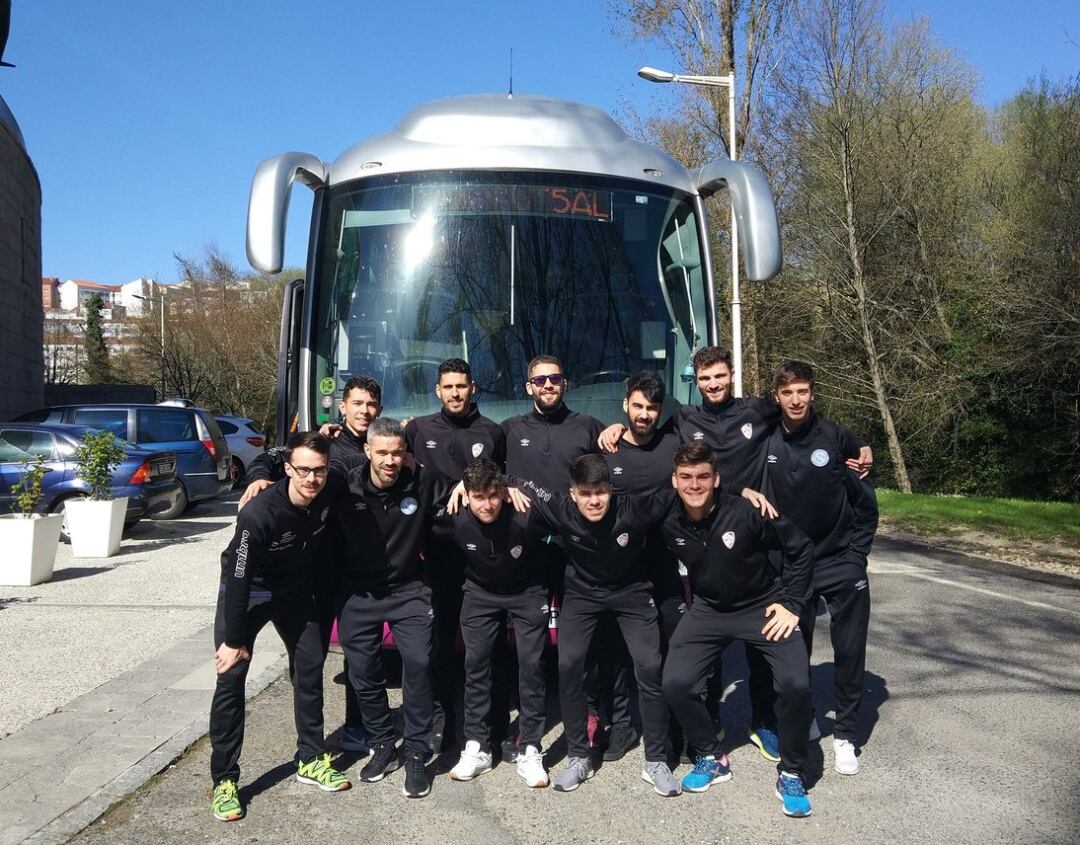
(108, 672)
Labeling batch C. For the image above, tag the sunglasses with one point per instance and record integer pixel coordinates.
(555, 378)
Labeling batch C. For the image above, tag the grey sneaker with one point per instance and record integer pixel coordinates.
(576, 771)
(662, 780)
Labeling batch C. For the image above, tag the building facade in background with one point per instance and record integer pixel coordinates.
(21, 332)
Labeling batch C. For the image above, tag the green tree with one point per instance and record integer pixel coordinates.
(98, 369)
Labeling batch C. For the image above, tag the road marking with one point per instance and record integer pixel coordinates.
(914, 572)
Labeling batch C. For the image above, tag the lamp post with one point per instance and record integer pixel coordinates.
(161, 307)
(728, 82)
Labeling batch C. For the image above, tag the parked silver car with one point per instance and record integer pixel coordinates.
(245, 443)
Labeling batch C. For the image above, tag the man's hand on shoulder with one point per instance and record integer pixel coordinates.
(763, 505)
(609, 438)
(253, 490)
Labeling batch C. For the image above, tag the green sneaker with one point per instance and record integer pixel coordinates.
(227, 806)
(320, 773)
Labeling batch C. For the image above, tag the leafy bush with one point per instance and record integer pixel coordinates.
(27, 492)
(97, 456)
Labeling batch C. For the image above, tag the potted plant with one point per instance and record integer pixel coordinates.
(95, 523)
(29, 539)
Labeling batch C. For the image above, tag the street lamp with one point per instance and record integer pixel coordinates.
(161, 302)
(728, 81)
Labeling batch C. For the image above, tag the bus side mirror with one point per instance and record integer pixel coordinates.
(752, 203)
(269, 204)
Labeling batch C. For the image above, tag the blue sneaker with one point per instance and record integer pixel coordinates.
(790, 790)
(767, 742)
(707, 771)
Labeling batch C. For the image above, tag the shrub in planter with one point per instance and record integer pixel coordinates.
(96, 523)
(29, 539)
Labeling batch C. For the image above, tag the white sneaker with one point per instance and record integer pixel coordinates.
(844, 760)
(473, 762)
(530, 767)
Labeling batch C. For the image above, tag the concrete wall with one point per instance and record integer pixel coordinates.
(21, 316)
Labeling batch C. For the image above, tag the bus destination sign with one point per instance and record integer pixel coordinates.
(544, 200)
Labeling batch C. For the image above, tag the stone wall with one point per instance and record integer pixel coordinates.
(21, 317)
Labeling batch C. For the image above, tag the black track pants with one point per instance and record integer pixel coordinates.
(294, 616)
(849, 619)
(483, 617)
(360, 629)
(701, 636)
(635, 612)
(326, 589)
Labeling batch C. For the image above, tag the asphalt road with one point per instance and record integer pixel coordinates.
(970, 725)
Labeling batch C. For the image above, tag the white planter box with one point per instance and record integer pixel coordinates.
(95, 527)
(29, 549)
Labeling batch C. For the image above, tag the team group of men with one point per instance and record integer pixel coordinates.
(452, 520)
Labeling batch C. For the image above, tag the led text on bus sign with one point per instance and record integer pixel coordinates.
(547, 200)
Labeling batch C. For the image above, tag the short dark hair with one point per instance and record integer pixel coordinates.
(543, 359)
(649, 384)
(691, 454)
(482, 474)
(363, 383)
(385, 427)
(793, 371)
(590, 471)
(709, 356)
(306, 440)
(454, 365)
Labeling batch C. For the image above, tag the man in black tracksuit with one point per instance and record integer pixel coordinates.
(266, 576)
(447, 441)
(385, 510)
(604, 536)
(504, 586)
(807, 481)
(738, 595)
(361, 402)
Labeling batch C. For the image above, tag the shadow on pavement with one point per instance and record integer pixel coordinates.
(9, 600)
(69, 573)
(267, 780)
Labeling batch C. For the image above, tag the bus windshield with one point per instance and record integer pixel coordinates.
(497, 268)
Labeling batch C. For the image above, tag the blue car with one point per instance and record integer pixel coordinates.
(203, 463)
(147, 478)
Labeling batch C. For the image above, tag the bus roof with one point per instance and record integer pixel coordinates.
(503, 132)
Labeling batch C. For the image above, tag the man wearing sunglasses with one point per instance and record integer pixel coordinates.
(266, 577)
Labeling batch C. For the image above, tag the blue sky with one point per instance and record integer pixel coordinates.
(146, 119)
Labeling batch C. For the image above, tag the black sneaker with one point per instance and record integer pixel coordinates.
(384, 759)
(620, 740)
(416, 779)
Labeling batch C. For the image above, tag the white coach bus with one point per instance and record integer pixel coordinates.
(495, 228)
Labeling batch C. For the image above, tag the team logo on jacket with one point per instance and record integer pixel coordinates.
(431, 444)
(680, 541)
(616, 470)
(819, 457)
(409, 505)
(477, 448)
(515, 552)
(747, 431)
(623, 539)
(524, 441)
(729, 538)
(771, 459)
(861, 584)
(471, 547)
(698, 435)
(360, 506)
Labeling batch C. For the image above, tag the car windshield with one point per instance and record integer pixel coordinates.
(497, 268)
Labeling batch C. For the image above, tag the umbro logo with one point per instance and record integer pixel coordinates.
(431, 444)
(360, 506)
(616, 470)
(698, 435)
(575, 539)
(772, 459)
(525, 441)
(471, 547)
(680, 541)
(861, 584)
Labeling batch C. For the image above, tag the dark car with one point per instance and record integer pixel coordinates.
(202, 455)
(147, 478)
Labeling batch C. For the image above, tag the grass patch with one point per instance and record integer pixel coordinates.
(951, 515)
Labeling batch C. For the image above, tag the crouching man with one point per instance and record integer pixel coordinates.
(738, 595)
(266, 577)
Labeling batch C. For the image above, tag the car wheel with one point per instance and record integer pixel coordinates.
(237, 472)
(177, 509)
(58, 507)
